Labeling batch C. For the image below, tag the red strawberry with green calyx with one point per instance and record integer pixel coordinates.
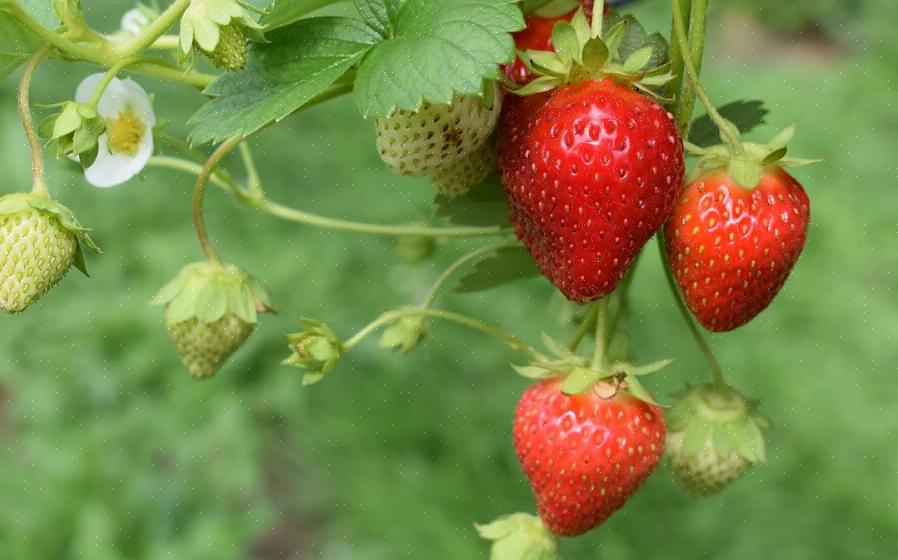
(737, 232)
(591, 167)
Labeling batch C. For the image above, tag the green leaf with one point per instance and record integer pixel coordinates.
(437, 48)
(16, 44)
(483, 206)
(285, 12)
(746, 115)
(298, 62)
(506, 265)
(379, 14)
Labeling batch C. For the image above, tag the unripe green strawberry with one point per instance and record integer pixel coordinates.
(211, 309)
(714, 438)
(435, 136)
(204, 347)
(39, 243)
(230, 53)
(468, 172)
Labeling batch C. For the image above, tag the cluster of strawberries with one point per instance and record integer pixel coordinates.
(593, 167)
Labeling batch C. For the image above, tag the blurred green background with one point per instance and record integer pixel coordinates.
(109, 451)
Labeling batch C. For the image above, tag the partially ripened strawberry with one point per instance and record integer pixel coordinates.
(591, 170)
(436, 136)
(39, 243)
(585, 455)
(731, 248)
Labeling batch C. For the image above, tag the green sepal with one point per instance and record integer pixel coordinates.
(404, 334)
(24, 202)
(207, 291)
(76, 129)
(316, 349)
(746, 162)
(623, 52)
(534, 372)
(580, 380)
(520, 536)
(722, 420)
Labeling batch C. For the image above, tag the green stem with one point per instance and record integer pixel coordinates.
(254, 182)
(460, 263)
(107, 78)
(598, 355)
(586, 325)
(77, 50)
(39, 183)
(166, 43)
(697, 10)
(200, 189)
(154, 70)
(220, 178)
(598, 12)
(224, 180)
(727, 129)
(153, 31)
(307, 218)
(713, 364)
(391, 316)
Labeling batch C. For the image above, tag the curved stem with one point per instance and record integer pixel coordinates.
(226, 182)
(391, 316)
(78, 50)
(727, 129)
(152, 32)
(598, 355)
(200, 189)
(713, 364)
(107, 78)
(460, 263)
(307, 218)
(39, 183)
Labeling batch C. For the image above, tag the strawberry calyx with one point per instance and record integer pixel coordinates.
(520, 535)
(720, 419)
(583, 375)
(32, 202)
(745, 162)
(616, 47)
(208, 291)
(316, 350)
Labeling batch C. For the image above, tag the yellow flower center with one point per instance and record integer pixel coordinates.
(124, 132)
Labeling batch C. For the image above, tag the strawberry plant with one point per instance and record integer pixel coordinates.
(560, 131)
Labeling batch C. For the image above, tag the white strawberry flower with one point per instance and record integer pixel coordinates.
(126, 146)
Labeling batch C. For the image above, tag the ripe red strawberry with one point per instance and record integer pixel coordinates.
(731, 248)
(591, 170)
(585, 455)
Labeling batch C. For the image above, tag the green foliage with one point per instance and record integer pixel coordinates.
(500, 268)
(298, 63)
(16, 44)
(746, 115)
(434, 48)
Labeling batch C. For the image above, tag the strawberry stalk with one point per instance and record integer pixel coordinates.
(683, 53)
(200, 189)
(39, 186)
(459, 264)
(728, 131)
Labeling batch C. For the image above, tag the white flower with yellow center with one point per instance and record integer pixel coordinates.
(126, 146)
